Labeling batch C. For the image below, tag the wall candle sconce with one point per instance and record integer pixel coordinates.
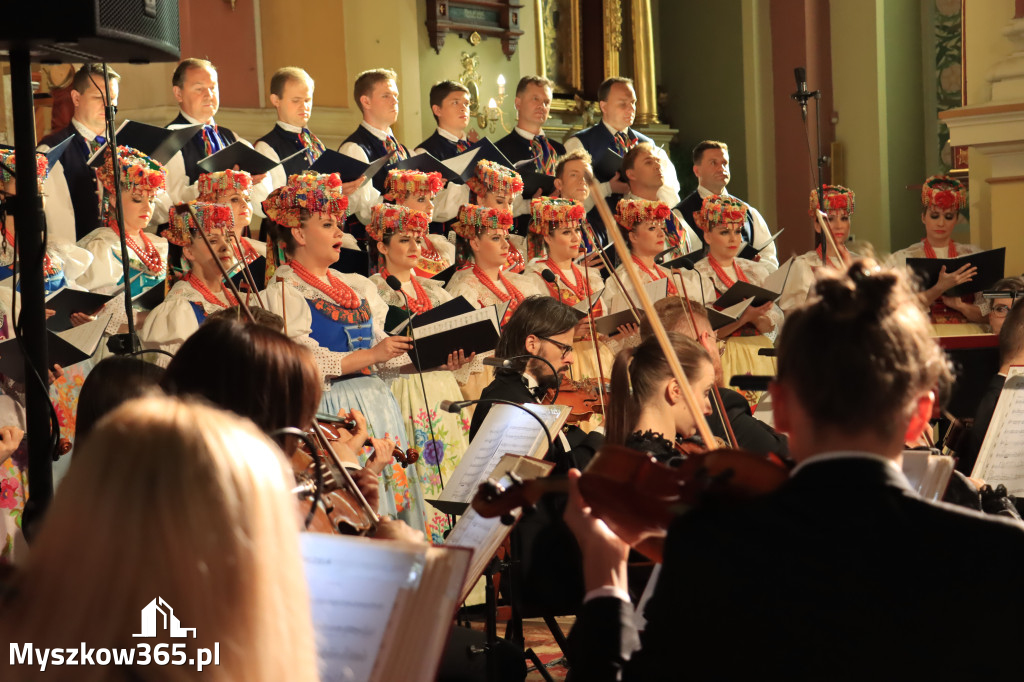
(486, 117)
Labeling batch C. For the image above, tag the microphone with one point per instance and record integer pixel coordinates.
(801, 95)
(506, 363)
(396, 285)
(550, 278)
(660, 258)
(459, 405)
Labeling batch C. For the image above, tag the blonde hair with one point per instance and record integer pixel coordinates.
(181, 501)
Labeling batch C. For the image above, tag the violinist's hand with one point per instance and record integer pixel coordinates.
(390, 529)
(368, 485)
(348, 188)
(948, 280)
(604, 552)
(457, 360)
(390, 348)
(358, 436)
(381, 458)
(10, 439)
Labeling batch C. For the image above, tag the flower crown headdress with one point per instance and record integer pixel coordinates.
(631, 212)
(211, 216)
(548, 213)
(473, 220)
(401, 183)
(837, 198)
(720, 209)
(7, 157)
(212, 184)
(140, 174)
(313, 192)
(945, 192)
(390, 219)
(493, 177)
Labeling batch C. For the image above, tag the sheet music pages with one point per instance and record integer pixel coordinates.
(483, 536)
(354, 584)
(505, 430)
(478, 315)
(928, 473)
(424, 615)
(86, 337)
(776, 281)
(1001, 458)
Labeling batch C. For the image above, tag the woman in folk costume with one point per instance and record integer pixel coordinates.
(838, 207)
(416, 190)
(721, 219)
(496, 186)
(142, 179)
(481, 251)
(942, 199)
(643, 224)
(398, 234)
(340, 317)
(556, 231)
(232, 188)
(200, 290)
(62, 263)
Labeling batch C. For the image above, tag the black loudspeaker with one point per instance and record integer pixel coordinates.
(134, 31)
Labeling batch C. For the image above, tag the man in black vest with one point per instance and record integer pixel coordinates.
(291, 93)
(72, 203)
(711, 166)
(449, 102)
(197, 91)
(617, 99)
(376, 93)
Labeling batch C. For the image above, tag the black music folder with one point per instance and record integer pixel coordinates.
(750, 252)
(465, 163)
(67, 348)
(241, 155)
(476, 331)
(65, 301)
(607, 165)
(445, 275)
(158, 143)
(348, 168)
(425, 163)
(991, 265)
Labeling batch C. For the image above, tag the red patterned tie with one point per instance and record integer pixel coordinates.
(392, 147)
(623, 143)
(461, 146)
(314, 147)
(543, 155)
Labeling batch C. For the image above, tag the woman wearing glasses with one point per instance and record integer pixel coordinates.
(996, 309)
(721, 218)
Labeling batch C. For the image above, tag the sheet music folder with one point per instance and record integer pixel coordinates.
(991, 266)
(472, 332)
(65, 349)
(770, 290)
(1001, 458)
(65, 301)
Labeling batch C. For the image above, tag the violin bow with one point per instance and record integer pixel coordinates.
(246, 272)
(659, 329)
(593, 334)
(608, 265)
(220, 266)
(829, 236)
(719, 403)
(350, 482)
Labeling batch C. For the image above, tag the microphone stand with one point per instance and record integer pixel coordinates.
(802, 96)
(396, 285)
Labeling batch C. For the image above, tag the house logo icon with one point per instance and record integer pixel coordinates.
(158, 607)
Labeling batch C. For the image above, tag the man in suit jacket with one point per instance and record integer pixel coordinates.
(843, 572)
(72, 201)
(617, 100)
(197, 91)
(711, 166)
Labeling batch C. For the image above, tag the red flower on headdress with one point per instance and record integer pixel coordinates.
(504, 218)
(660, 212)
(946, 200)
(334, 180)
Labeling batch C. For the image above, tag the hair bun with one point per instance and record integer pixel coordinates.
(863, 294)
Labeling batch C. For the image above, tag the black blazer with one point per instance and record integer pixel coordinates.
(80, 177)
(841, 574)
(751, 433)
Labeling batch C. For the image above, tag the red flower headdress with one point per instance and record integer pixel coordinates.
(139, 173)
(720, 209)
(7, 157)
(313, 192)
(837, 198)
(548, 213)
(945, 192)
(212, 184)
(473, 220)
(493, 177)
(390, 219)
(211, 216)
(632, 212)
(401, 183)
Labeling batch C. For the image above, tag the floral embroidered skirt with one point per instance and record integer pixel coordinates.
(441, 451)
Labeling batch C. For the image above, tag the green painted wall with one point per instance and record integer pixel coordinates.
(701, 67)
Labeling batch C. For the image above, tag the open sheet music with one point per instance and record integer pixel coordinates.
(371, 598)
(482, 535)
(1001, 458)
(505, 430)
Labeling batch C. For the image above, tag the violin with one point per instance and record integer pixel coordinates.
(584, 398)
(639, 497)
(330, 425)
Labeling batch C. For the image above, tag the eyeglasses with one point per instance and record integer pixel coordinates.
(1000, 310)
(566, 348)
(712, 337)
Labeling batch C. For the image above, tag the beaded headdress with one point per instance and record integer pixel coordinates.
(401, 183)
(212, 184)
(313, 192)
(390, 218)
(473, 220)
(139, 173)
(720, 209)
(837, 198)
(548, 213)
(493, 177)
(7, 157)
(945, 192)
(632, 212)
(211, 216)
